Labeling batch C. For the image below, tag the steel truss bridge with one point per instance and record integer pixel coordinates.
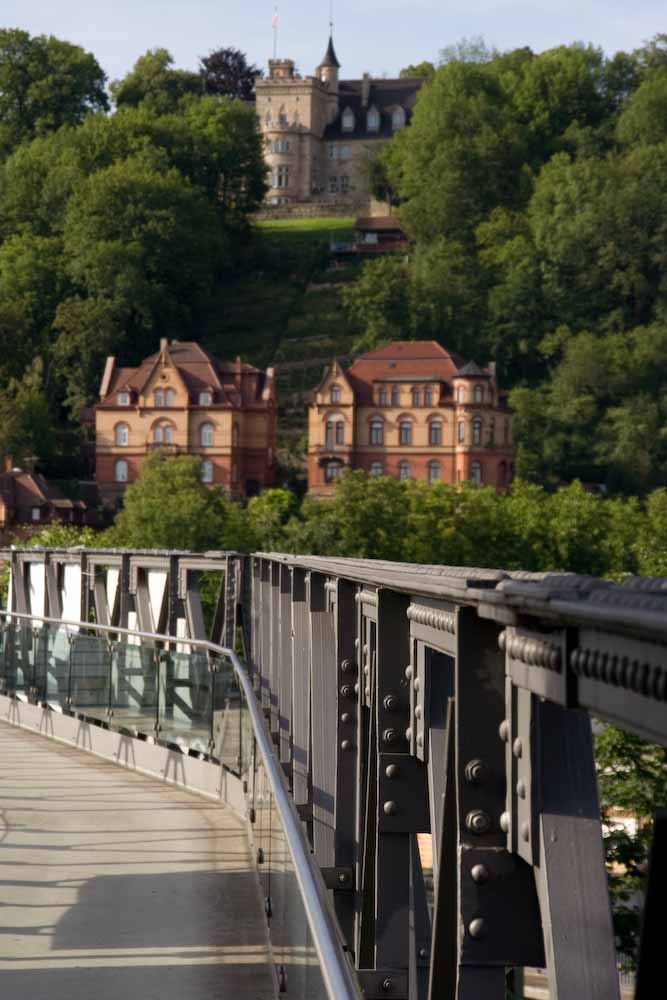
(344, 708)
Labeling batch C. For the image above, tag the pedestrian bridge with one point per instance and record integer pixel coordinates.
(315, 777)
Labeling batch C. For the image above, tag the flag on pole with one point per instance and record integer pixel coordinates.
(274, 19)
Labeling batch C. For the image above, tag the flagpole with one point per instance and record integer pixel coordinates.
(275, 31)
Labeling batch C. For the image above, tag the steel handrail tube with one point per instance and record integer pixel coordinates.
(339, 978)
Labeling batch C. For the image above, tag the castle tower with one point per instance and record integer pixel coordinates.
(327, 71)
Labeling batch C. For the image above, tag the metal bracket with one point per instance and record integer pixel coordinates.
(340, 879)
(305, 811)
(378, 984)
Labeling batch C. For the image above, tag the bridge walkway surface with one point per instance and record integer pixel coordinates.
(113, 884)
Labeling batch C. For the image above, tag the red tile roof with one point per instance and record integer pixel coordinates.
(402, 359)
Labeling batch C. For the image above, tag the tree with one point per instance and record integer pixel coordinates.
(26, 425)
(44, 83)
(425, 69)
(378, 303)
(643, 120)
(169, 507)
(154, 84)
(226, 73)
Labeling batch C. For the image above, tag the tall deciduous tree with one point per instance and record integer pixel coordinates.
(227, 73)
(155, 84)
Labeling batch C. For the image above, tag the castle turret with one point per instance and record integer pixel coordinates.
(327, 71)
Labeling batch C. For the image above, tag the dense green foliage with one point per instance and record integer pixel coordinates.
(534, 188)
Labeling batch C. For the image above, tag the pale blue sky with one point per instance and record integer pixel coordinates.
(379, 36)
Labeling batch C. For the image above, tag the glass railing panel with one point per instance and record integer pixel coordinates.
(186, 700)
(230, 719)
(51, 660)
(291, 940)
(90, 676)
(19, 660)
(134, 688)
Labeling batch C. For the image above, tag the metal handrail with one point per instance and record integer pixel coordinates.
(337, 973)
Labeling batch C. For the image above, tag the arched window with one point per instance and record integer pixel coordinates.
(397, 119)
(377, 432)
(159, 397)
(403, 470)
(205, 398)
(461, 394)
(121, 471)
(383, 397)
(395, 396)
(373, 120)
(376, 469)
(333, 471)
(405, 432)
(168, 434)
(235, 436)
(206, 435)
(123, 399)
(169, 397)
(122, 435)
(428, 396)
(157, 434)
(478, 394)
(477, 431)
(435, 432)
(476, 473)
(416, 397)
(348, 120)
(163, 434)
(433, 472)
(462, 431)
(335, 394)
(206, 472)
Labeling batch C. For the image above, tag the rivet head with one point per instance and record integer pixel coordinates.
(408, 673)
(521, 788)
(418, 712)
(346, 718)
(346, 745)
(502, 640)
(393, 771)
(420, 740)
(348, 667)
(476, 771)
(343, 878)
(391, 703)
(477, 928)
(391, 736)
(479, 874)
(504, 731)
(408, 734)
(505, 822)
(517, 747)
(417, 684)
(424, 953)
(347, 691)
(478, 822)
(525, 831)
(387, 985)
(390, 808)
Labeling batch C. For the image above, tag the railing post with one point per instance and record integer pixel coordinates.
(323, 724)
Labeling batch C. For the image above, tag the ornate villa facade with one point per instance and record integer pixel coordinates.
(319, 131)
(183, 401)
(412, 410)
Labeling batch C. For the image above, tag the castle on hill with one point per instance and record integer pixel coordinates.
(321, 131)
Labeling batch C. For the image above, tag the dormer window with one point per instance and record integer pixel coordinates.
(159, 397)
(123, 399)
(478, 394)
(348, 120)
(169, 397)
(373, 120)
(397, 119)
(205, 398)
(335, 394)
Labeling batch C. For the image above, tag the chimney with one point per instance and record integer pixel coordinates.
(365, 89)
(238, 374)
(9, 463)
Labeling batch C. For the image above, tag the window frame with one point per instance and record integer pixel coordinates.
(348, 120)
(476, 473)
(404, 471)
(123, 398)
(478, 394)
(461, 432)
(204, 476)
(373, 120)
(405, 433)
(395, 396)
(433, 467)
(121, 435)
(376, 432)
(206, 435)
(121, 463)
(205, 398)
(376, 470)
(335, 394)
(435, 432)
(477, 431)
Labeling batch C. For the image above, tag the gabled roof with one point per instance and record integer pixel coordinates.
(472, 370)
(31, 489)
(384, 95)
(402, 359)
(330, 58)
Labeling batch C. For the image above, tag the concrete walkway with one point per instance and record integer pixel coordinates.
(113, 885)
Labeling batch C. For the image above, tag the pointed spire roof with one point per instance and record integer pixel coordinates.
(330, 58)
(470, 370)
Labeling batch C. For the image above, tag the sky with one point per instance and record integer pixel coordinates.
(376, 36)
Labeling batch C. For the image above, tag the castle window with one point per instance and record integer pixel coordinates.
(282, 119)
(281, 177)
(281, 146)
(462, 431)
(405, 432)
(433, 472)
(373, 120)
(377, 432)
(383, 397)
(206, 472)
(478, 394)
(403, 470)
(348, 120)
(397, 119)
(428, 396)
(477, 431)
(120, 471)
(333, 151)
(122, 436)
(476, 473)
(169, 397)
(206, 435)
(435, 432)
(395, 396)
(205, 398)
(159, 397)
(376, 469)
(344, 183)
(123, 399)
(335, 394)
(345, 152)
(333, 185)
